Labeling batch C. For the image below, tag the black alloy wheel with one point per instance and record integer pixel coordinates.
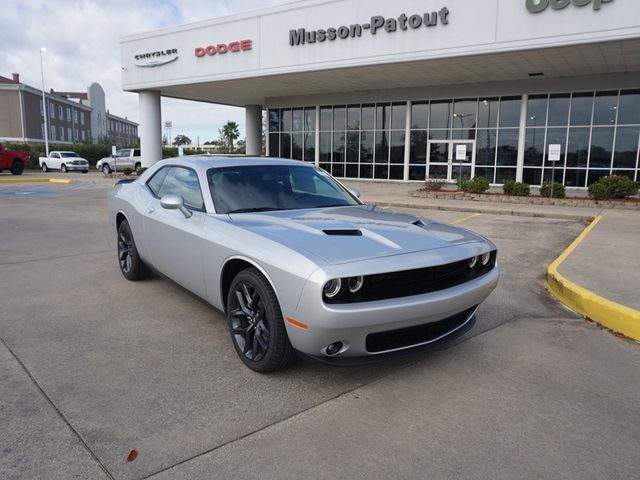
(255, 323)
(130, 263)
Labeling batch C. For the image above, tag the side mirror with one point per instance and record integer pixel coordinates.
(175, 202)
(354, 192)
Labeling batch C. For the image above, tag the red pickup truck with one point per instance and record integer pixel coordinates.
(14, 160)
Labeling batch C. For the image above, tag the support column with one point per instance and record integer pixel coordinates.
(253, 121)
(522, 137)
(317, 137)
(407, 142)
(150, 124)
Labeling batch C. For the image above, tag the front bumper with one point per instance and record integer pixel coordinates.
(77, 167)
(351, 324)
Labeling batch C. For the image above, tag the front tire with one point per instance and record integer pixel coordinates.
(17, 167)
(255, 323)
(63, 168)
(131, 266)
(105, 169)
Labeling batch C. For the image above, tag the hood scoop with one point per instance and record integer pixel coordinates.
(337, 232)
(418, 223)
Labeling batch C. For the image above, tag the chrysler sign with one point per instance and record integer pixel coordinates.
(155, 59)
(376, 24)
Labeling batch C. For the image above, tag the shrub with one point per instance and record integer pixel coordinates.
(434, 184)
(517, 189)
(140, 170)
(614, 186)
(558, 189)
(127, 171)
(474, 185)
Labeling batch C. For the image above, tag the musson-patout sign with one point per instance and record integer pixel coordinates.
(376, 24)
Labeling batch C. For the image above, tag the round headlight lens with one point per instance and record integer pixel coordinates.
(473, 262)
(355, 284)
(332, 288)
(486, 258)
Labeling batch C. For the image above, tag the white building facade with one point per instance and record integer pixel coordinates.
(391, 90)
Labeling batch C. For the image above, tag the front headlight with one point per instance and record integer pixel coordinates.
(332, 288)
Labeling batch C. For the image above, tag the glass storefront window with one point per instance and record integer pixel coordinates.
(397, 147)
(581, 108)
(326, 114)
(310, 147)
(274, 120)
(578, 147)
(383, 116)
(353, 147)
(556, 136)
(486, 147)
(465, 114)
(325, 147)
(537, 110)
(558, 110)
(510, 111)
(418, 147)
(488, 112)
(398, 116)
(285, 145)
(507, 147)
(575, 177)
(296, 145)
(626, 150)
(368, 117)
(420, 115)
(309, 119)
(534, 147)
(629, 107)
(286, 120)
(382, 147)
(605, 108)
(338, 147)
(440, 115)
(366, 146)
(274, 144)
(353, 117)
(339, 118)
(298, 120)
(601, 147)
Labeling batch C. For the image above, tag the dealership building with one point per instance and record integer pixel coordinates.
(413, 89)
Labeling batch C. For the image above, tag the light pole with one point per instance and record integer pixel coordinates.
(44, 106)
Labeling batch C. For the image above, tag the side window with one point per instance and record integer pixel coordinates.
(156, 181)
(136, 152)
(55, 155)
(184, 182)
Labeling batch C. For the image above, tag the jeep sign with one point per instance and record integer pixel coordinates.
(537, 6)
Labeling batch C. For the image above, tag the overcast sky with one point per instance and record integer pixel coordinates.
(82, 42)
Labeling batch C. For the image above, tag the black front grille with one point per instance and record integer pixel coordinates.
(406, 337)
(413, 282)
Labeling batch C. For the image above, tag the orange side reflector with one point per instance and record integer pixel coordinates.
(298, 324)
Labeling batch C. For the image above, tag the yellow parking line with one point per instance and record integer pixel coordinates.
(60, 180)
(36, 180)
(464, 219)
(615, 316)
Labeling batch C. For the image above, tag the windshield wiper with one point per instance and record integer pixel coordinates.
(254, 209)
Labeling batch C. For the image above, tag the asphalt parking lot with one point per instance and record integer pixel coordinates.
(93, 367)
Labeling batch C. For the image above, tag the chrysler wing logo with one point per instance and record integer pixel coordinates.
(156, 59)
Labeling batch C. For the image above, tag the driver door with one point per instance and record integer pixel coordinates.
(175, 243)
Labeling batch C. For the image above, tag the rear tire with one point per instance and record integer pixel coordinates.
(85, 171)
(137, 166)
(45, 169)
(63, 168)
(131, 266)
(17, 167)
(255, 323)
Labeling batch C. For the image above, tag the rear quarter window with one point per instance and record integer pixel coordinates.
(155, 182)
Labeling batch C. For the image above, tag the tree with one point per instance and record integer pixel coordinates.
(182, 140)
(229, 132)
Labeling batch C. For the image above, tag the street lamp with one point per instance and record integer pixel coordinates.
(44, 106)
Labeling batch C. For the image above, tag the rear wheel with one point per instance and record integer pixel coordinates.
(45, 168)
(131, 266)
(17, 167)
(137, 166)
(63, 168)
(255, 323)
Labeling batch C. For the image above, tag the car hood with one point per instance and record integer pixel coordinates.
(349, 234)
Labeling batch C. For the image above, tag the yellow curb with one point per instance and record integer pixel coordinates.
(612, 315)
(36, 180)
(464, 219)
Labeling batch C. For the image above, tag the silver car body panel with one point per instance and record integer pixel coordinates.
(297, 257)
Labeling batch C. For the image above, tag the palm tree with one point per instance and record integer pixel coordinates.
(230, 132)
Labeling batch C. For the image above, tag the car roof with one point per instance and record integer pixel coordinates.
(206, 162)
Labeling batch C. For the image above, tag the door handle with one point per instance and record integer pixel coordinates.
(150, 209)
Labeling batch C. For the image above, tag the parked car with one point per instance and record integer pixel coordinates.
(124, 158)
(64, 161)
(297, 262)
(14, 160)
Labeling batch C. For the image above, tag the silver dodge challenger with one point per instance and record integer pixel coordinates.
(297, 262)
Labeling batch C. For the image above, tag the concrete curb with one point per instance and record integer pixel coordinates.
(612, 315)
(36, 180)
(491, 211)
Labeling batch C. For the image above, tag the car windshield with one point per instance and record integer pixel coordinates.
(261, 188)
(68, 154)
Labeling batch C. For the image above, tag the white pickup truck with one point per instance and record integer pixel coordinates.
(124, 158)
(64, 161)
